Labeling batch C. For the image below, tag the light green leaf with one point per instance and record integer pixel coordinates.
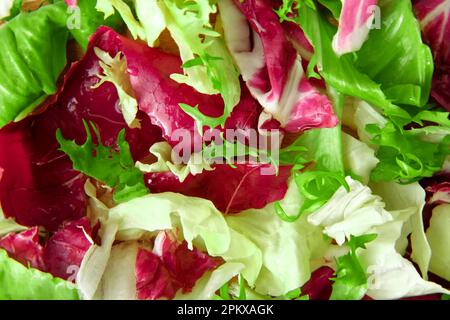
(28, 75)
(162, 151)
(439, 239)
(351, 213)
(390, 276)
(286, 248)
(119, 279)
(207, 286)
(408, 197)
(359, 158)
(151, 18)
(108, 7)
(115, 71)
(9, 225)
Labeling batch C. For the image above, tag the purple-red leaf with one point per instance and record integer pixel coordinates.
(25, 248)
(170, 267)
(354, 25)
(230, 189)
(434, 16)
(66, 248)
(271, 66)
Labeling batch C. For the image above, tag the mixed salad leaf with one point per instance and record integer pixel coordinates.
(22, 283)
(271, 68)
(28, 39)
(351, 280)
(433, 17)
(115, 169)
(224, 149)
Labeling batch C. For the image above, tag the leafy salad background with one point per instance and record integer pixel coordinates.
(93, 206)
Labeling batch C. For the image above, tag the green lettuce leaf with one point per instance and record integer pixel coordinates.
(341, 72)
(287, 247)
(27, 72)
(18, 282)
(114, 168)
(351, 280)
(335, 7)
(404, 67)
(33, 53)
(83, 21)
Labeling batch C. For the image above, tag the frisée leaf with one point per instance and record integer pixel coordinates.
(351, 280)
(114, 168)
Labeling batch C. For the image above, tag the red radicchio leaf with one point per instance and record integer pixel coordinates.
(66, 248)
(271, 67)
(232, 190)
(440, 193)
(354, 25)
(437, 192)
(71, 3)
(25, 248)
(319, 286)
(170, 267)
(159, 96)
(434, 16)
(298, 39)
(39, 185)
